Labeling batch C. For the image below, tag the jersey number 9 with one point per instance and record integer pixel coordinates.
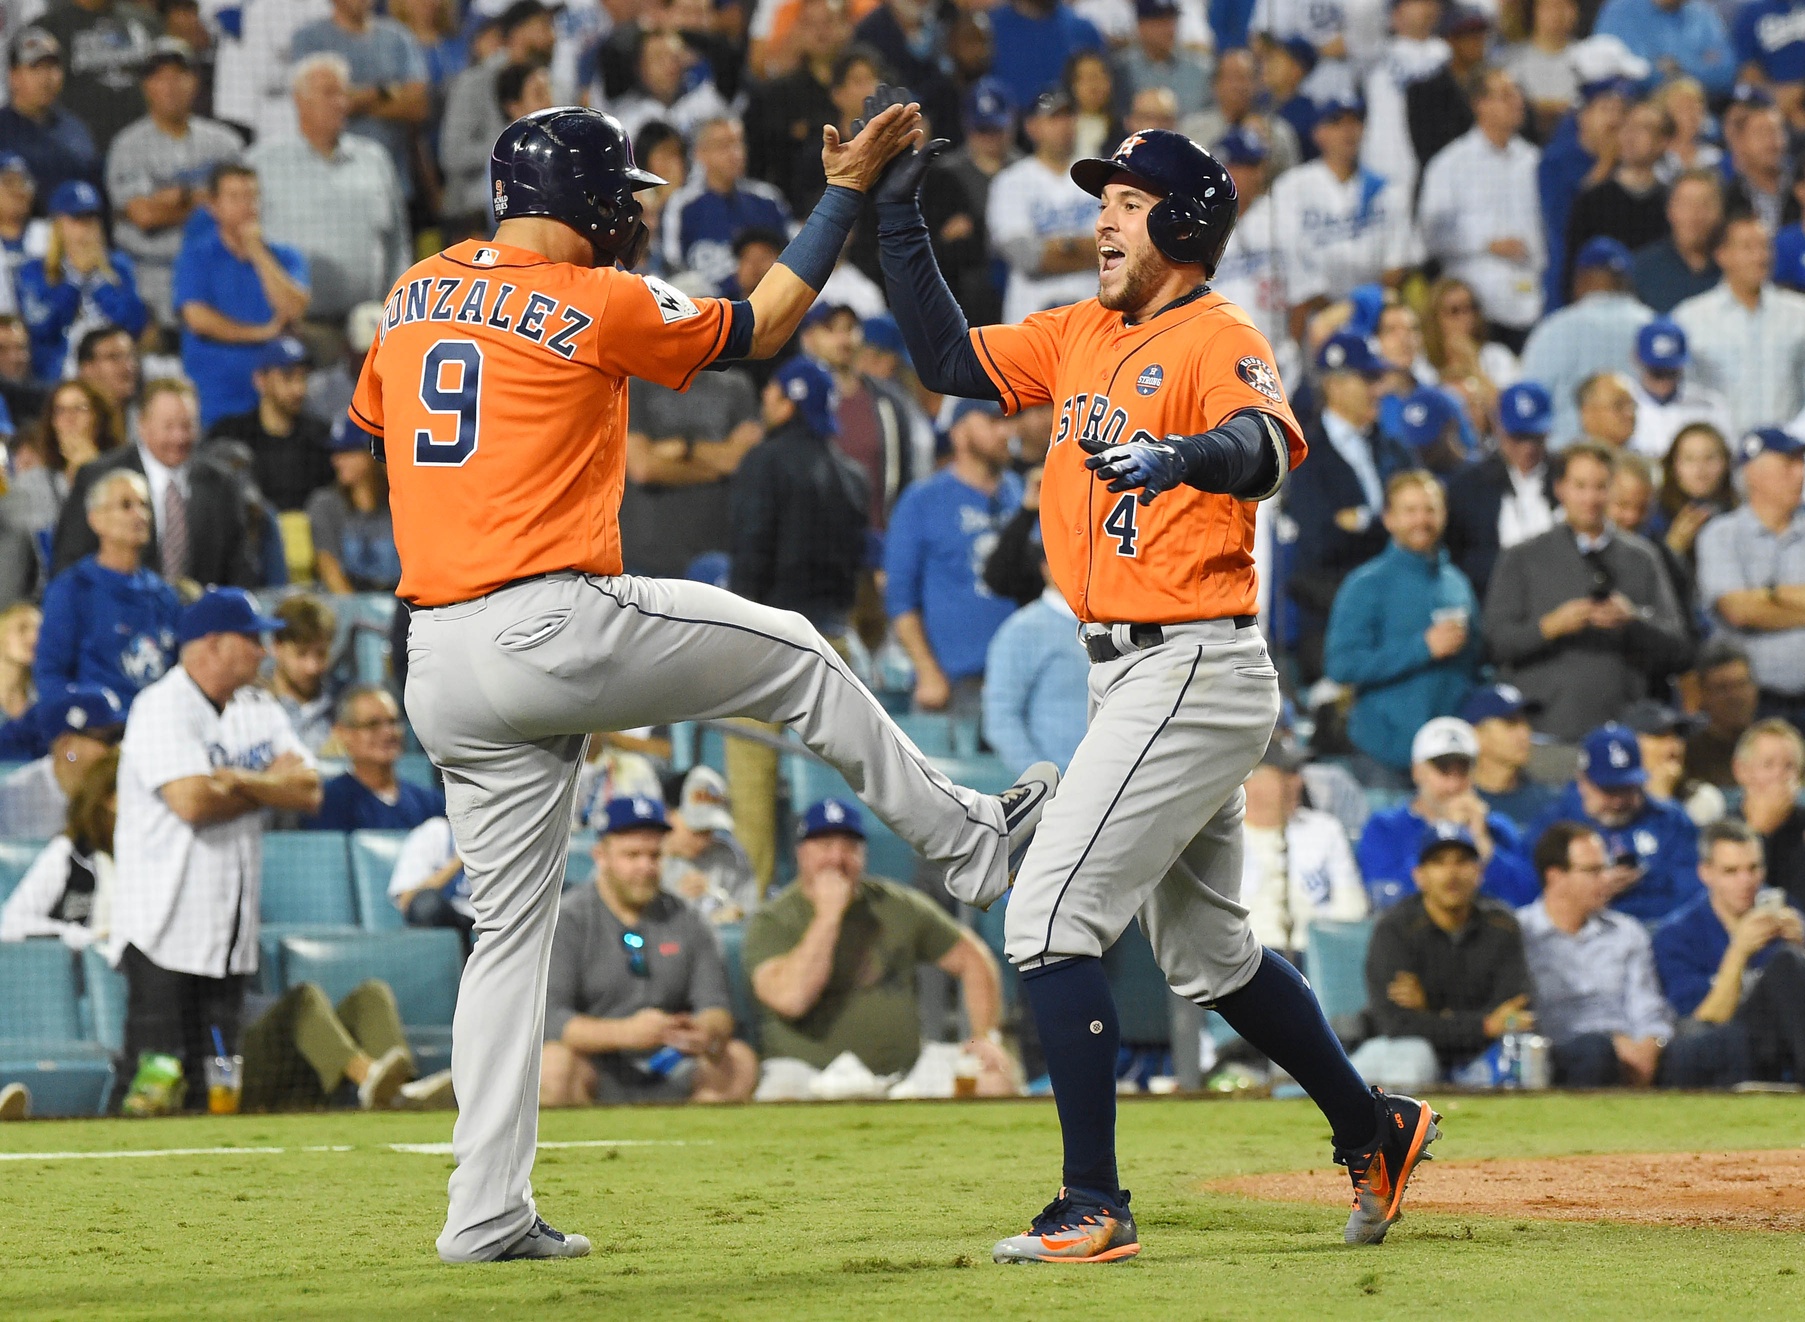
(462, 401)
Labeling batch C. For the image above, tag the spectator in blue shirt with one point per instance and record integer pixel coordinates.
(107, 619)
(1036, 681)
(1732, 965)
(1499, 715)
(717, 205)
(1651, 844)
(1442, 757)
(54, 143)
(369, 797)
(234, 293)
(1770, 41)
(1401, 630)
(941, 532)
(78, 284)
(1034, 39)
(1675, 37)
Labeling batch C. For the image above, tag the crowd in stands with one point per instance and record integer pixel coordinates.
(1532, 272)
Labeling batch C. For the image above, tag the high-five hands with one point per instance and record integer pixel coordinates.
(876, 140)
(901, 182)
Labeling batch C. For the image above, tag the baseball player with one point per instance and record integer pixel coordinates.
(497, 389)
(1172, 424)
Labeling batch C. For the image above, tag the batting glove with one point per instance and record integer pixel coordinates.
(1152, 465)
(901, 179)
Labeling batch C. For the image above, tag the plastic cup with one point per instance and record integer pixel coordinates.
(225, 1084)
(965, 1075)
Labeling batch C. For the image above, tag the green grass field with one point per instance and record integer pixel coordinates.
(883, 1211)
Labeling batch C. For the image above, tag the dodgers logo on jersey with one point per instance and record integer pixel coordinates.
(1150, 380)
(1258, 373)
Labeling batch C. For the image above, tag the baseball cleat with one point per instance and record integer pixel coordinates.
(15, 1102)
(1381, 1170)
(541, 1241)
(1077, 1226)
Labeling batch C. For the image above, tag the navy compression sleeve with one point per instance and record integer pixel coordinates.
(1246, 457)
(932, 324)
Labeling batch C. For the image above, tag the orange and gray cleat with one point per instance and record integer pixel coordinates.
(1381, 1170)
(1077, 1226)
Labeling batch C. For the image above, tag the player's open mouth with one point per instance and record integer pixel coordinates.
(1109, 257)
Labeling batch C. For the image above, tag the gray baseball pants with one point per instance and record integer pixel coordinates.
(1147, 819)
(502, 691)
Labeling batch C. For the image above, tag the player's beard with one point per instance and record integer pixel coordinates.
(1141, 273)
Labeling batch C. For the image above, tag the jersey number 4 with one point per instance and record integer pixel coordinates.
(451, 383)
(1120, 524)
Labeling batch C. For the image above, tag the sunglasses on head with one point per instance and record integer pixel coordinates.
(635, 945)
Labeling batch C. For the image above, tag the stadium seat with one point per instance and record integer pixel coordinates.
(1143, 1000)
(984, 773)
(306, 891)
(579, 865)
(931, 732)
(103, 990)
(811, 781)
(373, 855)
(888, 854)
(417, 769)
(421, 965)
(1335, 962)
(41, 1041)
(15, 859)
(732, 937)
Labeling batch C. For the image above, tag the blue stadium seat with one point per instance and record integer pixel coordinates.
(1143, 1000)
(306, 890)
(417, 768)
(15, 859)
(421, 965)
(1335, 962)
(43, 1046)
(931, 732)
(103, 988)
(373, 855)
(984, 773)
(732, 937)
(371, 653)
(811, 781)
(888, 854)
(579, 863)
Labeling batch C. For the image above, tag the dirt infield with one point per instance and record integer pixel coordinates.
(1727, 1190)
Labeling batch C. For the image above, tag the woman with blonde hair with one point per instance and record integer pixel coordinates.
(18, 646)
(1688, 112)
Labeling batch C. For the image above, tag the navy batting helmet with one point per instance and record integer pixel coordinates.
(1197, 209)
(574, 166)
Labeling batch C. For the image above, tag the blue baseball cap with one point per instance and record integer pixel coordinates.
(1241, 146)
(1661, 346)
(831, 817)
(1605, 252)
(1334, 107)
(1302, 50)
(1438, 836)
(988, 107)
(882, 332)
(90, 709)
(1611, 759)
(807, 384)
(1768, 440)
(1344, 351)
(13, 163)
(344, 436)
(633, 813)
(824, 310)
(224, 610)
(964, 408)
(1526, 409)
(1493, 703)
(283, 351)
(1425, 414)
(76, 197)
(1156, 8)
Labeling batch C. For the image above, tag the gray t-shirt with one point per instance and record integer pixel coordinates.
(383, 55)
(144, 160)
(663, 528)
(591, 973)
(728, 871)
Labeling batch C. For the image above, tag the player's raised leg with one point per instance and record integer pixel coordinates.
(509, 803)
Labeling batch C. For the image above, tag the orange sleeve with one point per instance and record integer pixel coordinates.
(657, 333)
(366, 401)
(1237, 372)
(1022, 360)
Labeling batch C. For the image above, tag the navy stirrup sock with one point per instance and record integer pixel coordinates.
(1076, 1016)
(1278, 1015)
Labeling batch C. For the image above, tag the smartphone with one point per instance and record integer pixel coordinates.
(1770, 897)
(1447, 614)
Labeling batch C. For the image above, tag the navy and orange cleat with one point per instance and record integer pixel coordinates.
(1077, 1226)
(1381, 1169)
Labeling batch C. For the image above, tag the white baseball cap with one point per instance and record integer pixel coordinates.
(704, 805)
(1445, 736)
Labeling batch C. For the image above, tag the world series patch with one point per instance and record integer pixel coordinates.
(1258, 373)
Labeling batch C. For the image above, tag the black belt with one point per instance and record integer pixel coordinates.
(1103, 648)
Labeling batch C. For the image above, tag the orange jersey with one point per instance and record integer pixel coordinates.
(1189, 554)
(498, 384)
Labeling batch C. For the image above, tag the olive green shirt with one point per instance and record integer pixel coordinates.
(868, 1006)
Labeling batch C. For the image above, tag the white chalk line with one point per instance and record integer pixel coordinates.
(412, 1149)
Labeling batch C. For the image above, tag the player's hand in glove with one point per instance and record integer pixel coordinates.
(1152, 465)
(901, 179)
